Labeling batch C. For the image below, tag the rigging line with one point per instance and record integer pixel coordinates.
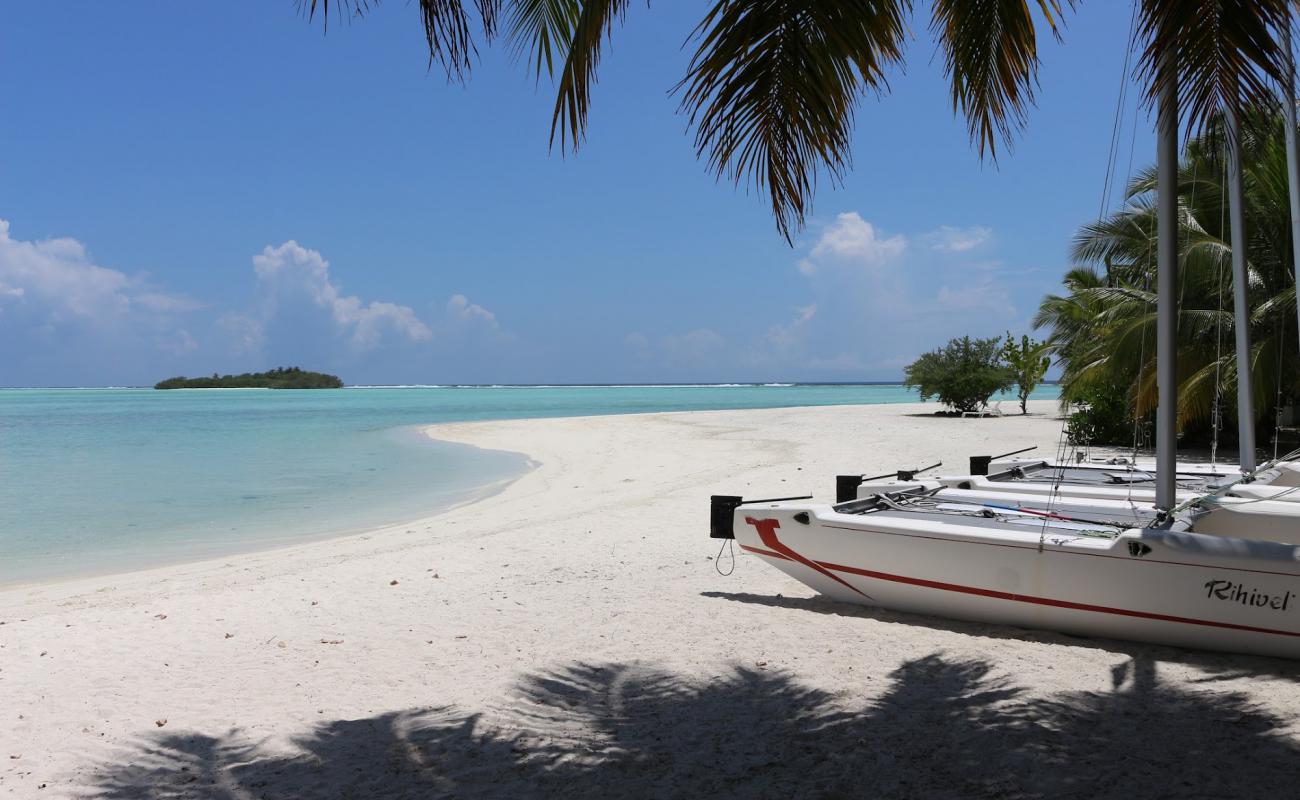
(1063, 444)
(1278, 336)
(1112, 157)
(1223, 489)
(1216, 414)
(1117, 126)
(1142, 352)
(989, 511)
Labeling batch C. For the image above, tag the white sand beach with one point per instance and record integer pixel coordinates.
(570, 636)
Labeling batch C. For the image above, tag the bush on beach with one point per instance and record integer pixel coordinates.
(962, 374)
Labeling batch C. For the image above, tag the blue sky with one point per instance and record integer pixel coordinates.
(199, 187)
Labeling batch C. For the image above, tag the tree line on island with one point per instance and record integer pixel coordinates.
(278, 378)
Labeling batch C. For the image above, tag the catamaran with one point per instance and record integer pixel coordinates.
(1124, 480)
(1139, 563)
(1156, 583)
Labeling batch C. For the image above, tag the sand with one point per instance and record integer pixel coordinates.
(570, 636)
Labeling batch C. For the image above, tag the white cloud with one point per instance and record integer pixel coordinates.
(293, 269)
(460, 308)
(951, 239)
(166, 303)
(246, 333)
(56, 280)
(852, 241)
(873, 291)
(89, 320)
(786, 337)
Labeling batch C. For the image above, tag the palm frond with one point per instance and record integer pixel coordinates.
(593, 23)
(448, 27)
(542, 30)
(990, 51)
(772, 87)
(1226, 52)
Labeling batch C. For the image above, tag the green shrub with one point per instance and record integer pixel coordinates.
(1102, 415)
(963, 374)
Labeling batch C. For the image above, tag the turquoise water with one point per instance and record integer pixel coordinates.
(102, 480)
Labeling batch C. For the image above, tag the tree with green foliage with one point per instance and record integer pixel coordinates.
(1099, 413)
(1029, 361)
(1103, 325)
(773, 87)
(963, 374)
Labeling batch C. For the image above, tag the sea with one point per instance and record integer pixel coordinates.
(105, 480)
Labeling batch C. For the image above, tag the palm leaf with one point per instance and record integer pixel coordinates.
(990, 51)
(542, 30)
(773, 85)
(592, 22)
(1226, 52)
(447, 25)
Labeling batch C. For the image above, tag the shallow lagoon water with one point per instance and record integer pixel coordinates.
(104, 480)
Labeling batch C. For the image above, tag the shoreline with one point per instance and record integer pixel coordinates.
(179, 496)
(527, 641)
(439, 432)
(475, 433)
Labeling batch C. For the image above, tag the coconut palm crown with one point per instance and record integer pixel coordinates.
(1103, 325)
(773, 88)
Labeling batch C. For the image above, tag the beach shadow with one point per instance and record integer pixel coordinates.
(943, 727)
(1218, 667)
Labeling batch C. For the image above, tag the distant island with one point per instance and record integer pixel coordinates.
(279, 378)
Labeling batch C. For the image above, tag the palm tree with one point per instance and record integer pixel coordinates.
(1102, 327)
(773, 87)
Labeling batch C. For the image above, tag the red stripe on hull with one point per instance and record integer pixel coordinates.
(1021, 598)
(767, 534)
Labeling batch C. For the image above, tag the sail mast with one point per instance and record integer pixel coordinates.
(1292, 163)
(1167, 281)
(1240, 289)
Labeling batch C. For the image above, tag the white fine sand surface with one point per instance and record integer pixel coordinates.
(571, 637)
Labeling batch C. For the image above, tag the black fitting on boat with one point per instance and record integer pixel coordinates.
(846, 487)
(722, 515)
(910, 474)
(979, 465)
(802, 518)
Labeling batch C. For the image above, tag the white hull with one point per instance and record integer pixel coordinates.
(1177, 588)
(1264, 520)
(1123, 493)
(1284, 473)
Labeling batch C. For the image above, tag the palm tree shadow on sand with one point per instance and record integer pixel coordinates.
(943, 728)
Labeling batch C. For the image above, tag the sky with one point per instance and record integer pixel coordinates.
(188, 188)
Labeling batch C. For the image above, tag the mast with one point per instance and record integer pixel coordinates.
(1167, 281)
(1240, 288)
(1292, 163)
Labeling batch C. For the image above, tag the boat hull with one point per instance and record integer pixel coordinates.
(1147, 585)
